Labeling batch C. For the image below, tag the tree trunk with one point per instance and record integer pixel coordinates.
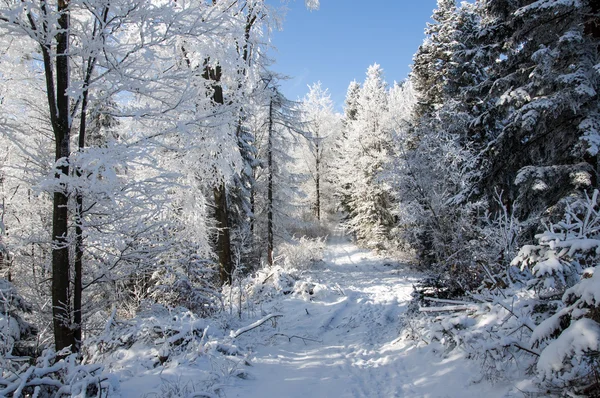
(223, 236)
(59, 109)
(78, 277)
(4, 262)
(318, 180)
(270, 188)
(220, 193)
(253, 207)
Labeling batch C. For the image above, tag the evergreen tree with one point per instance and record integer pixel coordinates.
(543, 146)
(344, 185)
(351, 102)
(433, 58)
(367, 148)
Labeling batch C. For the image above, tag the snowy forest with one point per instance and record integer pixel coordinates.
(167, 213)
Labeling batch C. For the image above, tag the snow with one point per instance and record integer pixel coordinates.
(545, 4)
(337, 333)
(312, 5)
(588, 289)
(352, 348)
(550, 266)
(252, 326)
(548, 327)
(9, 327)
(580, 337)
(591, 135)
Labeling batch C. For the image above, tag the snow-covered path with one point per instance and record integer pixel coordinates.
(351, 323)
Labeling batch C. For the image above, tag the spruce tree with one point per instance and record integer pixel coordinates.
(368, 147)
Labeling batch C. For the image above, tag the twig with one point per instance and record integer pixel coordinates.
(525, 349)
(494, 281)
(304, 339)
(267, 278)
(513, 314)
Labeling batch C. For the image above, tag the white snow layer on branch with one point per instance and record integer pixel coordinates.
(582, 336)
(312, 5)
(253, 325)
(548, 327)
(546, 4)
(550, 266)
(449, 308)
(580, 245)
(588, 290)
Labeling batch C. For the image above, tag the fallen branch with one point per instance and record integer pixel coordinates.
(437, 300)
(256, 324)
(448, 308)
(304, 339)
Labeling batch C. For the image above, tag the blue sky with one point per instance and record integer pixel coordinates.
(337, 43)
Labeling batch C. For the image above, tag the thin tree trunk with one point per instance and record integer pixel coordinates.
(59, 109)
(318, 180)
(252, 207)
(78, 278)
(78, 269)
(3, 251)
(270, 188)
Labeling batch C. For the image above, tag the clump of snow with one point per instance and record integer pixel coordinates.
(168, 352)
(312, 5)
(548, 328)
(549, 266)
(13, 327)
(588, 290)
(590, 127)
(9, 332)
(309, 290)
(581, 337)
(545, 4)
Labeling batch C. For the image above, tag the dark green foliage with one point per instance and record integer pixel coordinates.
(514, 85)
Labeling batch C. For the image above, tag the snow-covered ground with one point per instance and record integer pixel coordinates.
(338, 336)
(353, 320)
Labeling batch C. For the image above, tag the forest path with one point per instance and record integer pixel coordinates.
(353, 320)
